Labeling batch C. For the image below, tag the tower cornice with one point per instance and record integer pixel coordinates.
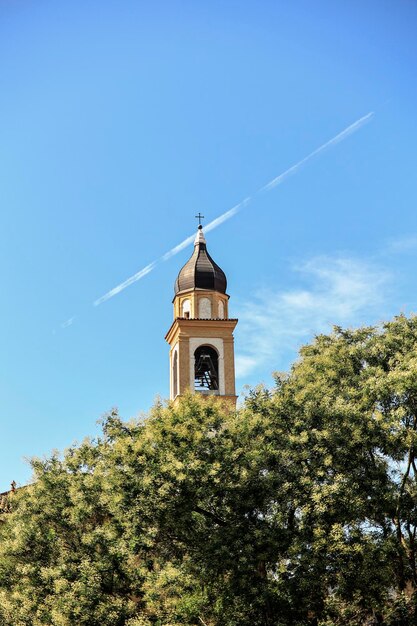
(189, 327)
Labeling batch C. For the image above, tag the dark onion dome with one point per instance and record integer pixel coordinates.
(201, 272)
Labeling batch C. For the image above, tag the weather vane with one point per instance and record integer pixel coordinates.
(199, 217)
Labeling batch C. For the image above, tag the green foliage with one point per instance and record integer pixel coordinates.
(298, 509)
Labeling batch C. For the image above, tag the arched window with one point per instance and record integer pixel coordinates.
(204, 309)
(206, 369)
(175, 375)
(221, 310)
(186, 308)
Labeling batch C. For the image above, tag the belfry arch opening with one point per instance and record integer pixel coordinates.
(206, 369)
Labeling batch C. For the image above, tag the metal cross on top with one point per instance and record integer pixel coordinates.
(199, 217)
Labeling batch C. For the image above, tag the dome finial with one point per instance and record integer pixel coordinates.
(199, 238)
(200, 235)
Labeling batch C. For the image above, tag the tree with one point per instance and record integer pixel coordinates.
(300, 508)
(350, 402)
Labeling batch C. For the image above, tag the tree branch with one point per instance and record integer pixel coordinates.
(210, 515)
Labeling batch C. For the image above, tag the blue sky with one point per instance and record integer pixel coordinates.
(119, 121)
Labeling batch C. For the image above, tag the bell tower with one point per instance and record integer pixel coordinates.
(201, 335)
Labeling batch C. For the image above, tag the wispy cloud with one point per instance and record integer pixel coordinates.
(339, 291)
(332, 142)
(406, 243)
(68, 322)
(234, 210)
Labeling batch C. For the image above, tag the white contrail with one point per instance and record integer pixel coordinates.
(342, 135)
(225, 216)
(146, 270)
(231, 212)
(207, 228)
(126, 283)
(68, 322)
(178, 248)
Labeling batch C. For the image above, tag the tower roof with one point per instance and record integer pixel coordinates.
(200, 271)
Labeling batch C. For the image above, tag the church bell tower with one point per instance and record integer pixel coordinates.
(201, 335)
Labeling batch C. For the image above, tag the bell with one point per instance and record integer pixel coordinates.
(205, 372)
